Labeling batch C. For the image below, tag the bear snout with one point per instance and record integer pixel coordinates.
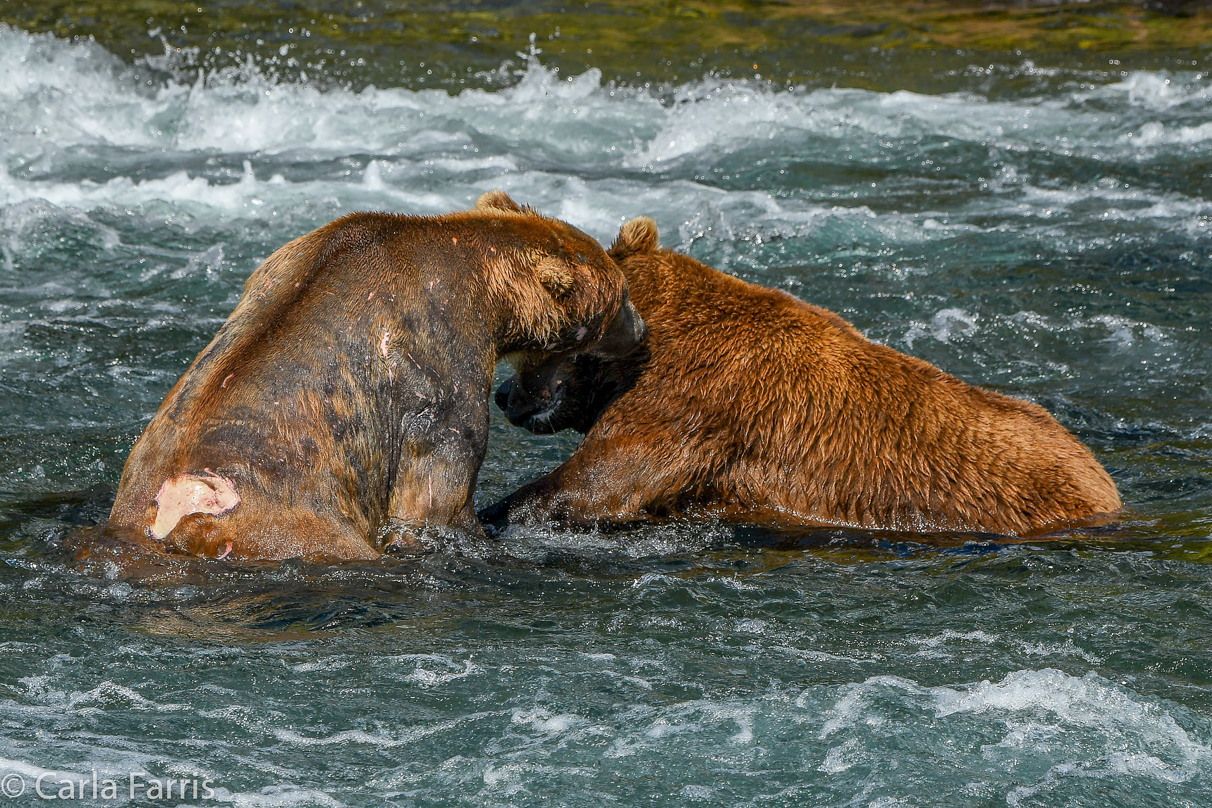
(622, 336)
(531, 409)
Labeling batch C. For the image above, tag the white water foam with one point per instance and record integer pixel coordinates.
(952, 325)
(277, 796)
(1159, 91)
(382, 738)
(1104, 730)
(74, 115)
(106, 695)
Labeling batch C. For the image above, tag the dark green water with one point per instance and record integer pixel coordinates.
(1042, 231)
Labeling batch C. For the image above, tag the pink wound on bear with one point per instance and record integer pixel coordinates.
(192, 493)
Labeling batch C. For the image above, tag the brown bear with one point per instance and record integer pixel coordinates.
(344, 403)
(749, 405)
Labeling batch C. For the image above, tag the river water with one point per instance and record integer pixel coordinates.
(1045, 232)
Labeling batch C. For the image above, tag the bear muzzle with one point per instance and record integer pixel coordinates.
(535, 396)
(622, 336)
(533, 400)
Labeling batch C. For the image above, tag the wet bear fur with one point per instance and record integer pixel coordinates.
(747, 404)
(344, 403)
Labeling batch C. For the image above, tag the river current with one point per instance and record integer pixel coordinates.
(1044, 232)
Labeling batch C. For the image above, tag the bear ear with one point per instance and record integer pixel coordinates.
(498, 200)
(556, 277)
(637, 236)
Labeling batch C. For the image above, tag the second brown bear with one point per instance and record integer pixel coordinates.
(747, 404)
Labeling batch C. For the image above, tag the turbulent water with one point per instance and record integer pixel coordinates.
(1045, 233)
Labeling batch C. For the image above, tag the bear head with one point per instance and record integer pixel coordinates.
(570, 391)
(567, 294)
